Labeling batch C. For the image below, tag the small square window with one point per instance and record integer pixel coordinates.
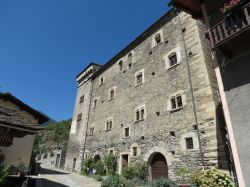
(81, 99)
(189, 143)
(140, 114)
(134, 151)
(126, 132)
(176, 102)
(79, 117)
(101, 81)
(91, 131)
(139, 79)
(95, 103)
(158, 38)
(172, 59)
(120, 65)
(111, 152)
(111, 94)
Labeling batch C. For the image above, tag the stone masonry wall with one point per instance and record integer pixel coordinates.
(155, 132)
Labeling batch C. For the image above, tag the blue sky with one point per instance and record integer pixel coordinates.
(44, 44)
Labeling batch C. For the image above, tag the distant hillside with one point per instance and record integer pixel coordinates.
(55, 136)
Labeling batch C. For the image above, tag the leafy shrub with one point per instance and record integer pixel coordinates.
(212, 177)
(98, 177)
(135, 182)
(110, 162)
(164, 183)
(184, 173)
(4, 172)
(142, 171)
(129, 172)
(99, 166)
(114, 181)
(87, 164)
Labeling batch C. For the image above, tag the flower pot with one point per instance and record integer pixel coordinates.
(184, 185)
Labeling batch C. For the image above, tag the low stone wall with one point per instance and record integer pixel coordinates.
(56, 159)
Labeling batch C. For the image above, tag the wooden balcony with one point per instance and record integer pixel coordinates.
(231, 27)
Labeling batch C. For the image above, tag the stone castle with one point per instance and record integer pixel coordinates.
(156, 102)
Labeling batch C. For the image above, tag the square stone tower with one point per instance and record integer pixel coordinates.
(156, 102)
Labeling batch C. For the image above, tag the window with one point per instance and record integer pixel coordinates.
(189, 143)
(140, 114)
(129, 66)
(79, 117)
(134, 151)
(120, 63)
(139, 79)
(126, 132)
(101, 81)
(109, 125)
(157, 38)
(95, 103)
(91, 131)
(111, 152)
(172, 59)
(111, 94)
(81, 99)
(176, 102)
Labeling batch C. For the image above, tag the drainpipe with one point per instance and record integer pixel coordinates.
(86, 133)
(191, 89)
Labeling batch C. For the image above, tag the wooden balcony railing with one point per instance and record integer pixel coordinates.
(230, 27)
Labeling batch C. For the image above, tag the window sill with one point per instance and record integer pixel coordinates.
(137, 121)
(137, 85)
(170, 67)
(100, 85)
(111, 99)
(126, 137)
(158, 44)
(175, 109)
(107, 130)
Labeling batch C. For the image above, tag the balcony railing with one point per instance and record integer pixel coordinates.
(230, 27)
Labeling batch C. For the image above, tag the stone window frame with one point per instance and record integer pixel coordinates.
(79, 117)
(101, 80)
(120, 65)
(166, 59)
(107, 126)
(132, 150)
(192, 135)
(143, 77)
(81, 100)
(139, 109)
(109, 93)
(111, 151)
(124, 132)
(175, 96)
(160, 34)
(92, 130)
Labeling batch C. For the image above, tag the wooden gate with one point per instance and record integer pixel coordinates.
(159, 167)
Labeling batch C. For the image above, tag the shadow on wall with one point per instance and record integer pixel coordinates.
(224, 160)
(236, 73)
(51, 172)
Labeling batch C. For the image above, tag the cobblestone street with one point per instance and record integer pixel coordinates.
(60, 178)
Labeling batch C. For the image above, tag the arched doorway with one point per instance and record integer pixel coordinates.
(97, 158)
(158, 166)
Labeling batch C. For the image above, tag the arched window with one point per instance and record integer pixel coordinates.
(120, 63)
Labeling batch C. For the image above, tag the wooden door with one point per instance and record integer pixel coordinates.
(159, 167)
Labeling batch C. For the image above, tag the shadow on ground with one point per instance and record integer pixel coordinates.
(48, 183)
(51, 172)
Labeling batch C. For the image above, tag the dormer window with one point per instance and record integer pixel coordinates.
(120, 63)
(172, 59)
(158, 38)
